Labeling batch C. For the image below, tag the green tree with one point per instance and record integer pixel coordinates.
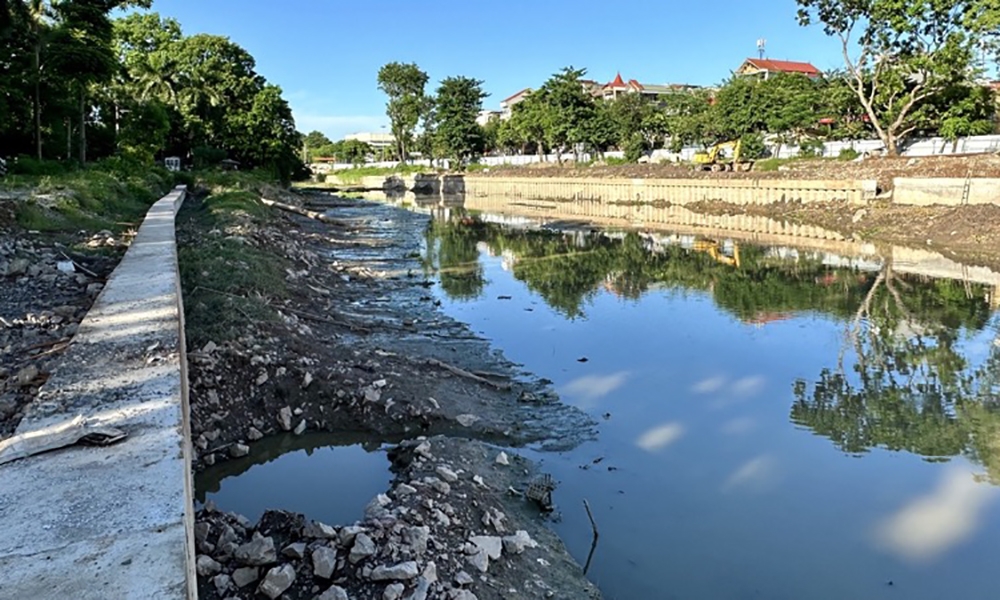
(569, 107)
(966, 110)
(316, 139)
(907, 51)
(404, 85)
(457, 105)
(529, 122)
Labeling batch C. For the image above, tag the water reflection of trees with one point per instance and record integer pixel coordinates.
(451, 247)
(902, 381)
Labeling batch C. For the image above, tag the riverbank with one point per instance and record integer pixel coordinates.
(297, 325)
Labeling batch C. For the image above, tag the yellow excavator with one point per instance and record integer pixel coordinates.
(713, 249)
(724, 156)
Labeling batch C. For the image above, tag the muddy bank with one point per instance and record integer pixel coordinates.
(968, 234)
(354, 342)
(455, 524)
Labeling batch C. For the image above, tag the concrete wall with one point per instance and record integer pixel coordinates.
(674, 191)
(949, 191)
(112, 522)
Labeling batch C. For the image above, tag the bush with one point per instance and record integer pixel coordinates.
(847, 154)
(26, 165)
(753, 147)
(614, 161)
(811, 148)
(206, 157)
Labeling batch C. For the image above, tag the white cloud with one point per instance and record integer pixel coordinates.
(660, 437)
(708, 386)
(930, 525)
(591, 388)
(738, 426)
(748, 386)
(757, 473)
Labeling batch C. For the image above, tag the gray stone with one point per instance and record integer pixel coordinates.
(285, 418)
(490, 544)
(515, 544)
(466, 420)
(222, 583)
(18, 266)
(257, 552)
(362, 549)
(201, 532)
(441, 487)
(316, 529)
(26, 376)
(462, 578)
(239, 450)
(417, 538)
(404, 570)
(403, 490)
(334, 593)
(502, 459)
(423, 449)
(446, 474)
(348, 533)
(297, 550)
(209, 348)
(206, 566)
(462, 595)
(324, 561)
(300, 428)
(244, 576)
(254, 434)
(94, 289)
(277, 581)
(479, 560)
(393, 591)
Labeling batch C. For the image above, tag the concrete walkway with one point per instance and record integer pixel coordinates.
(113, 522)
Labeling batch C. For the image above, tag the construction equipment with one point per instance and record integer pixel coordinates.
(724, 156)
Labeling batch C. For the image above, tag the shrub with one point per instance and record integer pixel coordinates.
(635, 148)
(847, 154)
(26, 165)
(206, 157)
(753, 147)
(811, 148)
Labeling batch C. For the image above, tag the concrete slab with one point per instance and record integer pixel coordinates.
(111, 522)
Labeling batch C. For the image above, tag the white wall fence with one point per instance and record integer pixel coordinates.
(925, 147)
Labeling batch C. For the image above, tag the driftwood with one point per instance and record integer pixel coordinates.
(299, 211)
(463, 373)
(58, 436)
(82, 268)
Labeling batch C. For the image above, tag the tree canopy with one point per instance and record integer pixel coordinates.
(403, 84)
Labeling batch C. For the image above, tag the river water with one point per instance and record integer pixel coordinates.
(776, 421)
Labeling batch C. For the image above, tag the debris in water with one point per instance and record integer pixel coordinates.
(540, 490)
(582, 359)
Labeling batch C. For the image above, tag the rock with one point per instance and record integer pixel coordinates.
(239, 450)
(277, 581)
(403, 490)
(244, 576)
(8, 406)
(462, 595)
(257, 552)
(65, 266)
(94, 289)
(490, 544)
(65, 311)
(502, 459)
(446, 474)
(858, 215)
(307, 380)
(417, 538)
(479, 560)
(404, 570)
(324, 561)
(285, 418)
(222, 583)
(26, 376)
(209, 459)
(209, 348)
(297, 550)
(18, 266)
(423, 449)
(201, 532)
(254, 434)
(393, 591)
(206, 566)
(316, 529)
(348, 533)
(466, 420)
(440, 486)
(262, 378)
(300, 428)
(515, 544)
(362, 549)
(462, 579)
(334, 593)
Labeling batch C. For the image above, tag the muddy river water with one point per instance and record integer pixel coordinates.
(775, 421)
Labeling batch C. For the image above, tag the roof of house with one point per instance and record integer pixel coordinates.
(618, 82)
(783, 66)
(521, 93)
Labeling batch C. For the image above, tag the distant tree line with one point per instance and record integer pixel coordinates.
(910, 69)
(77, 85)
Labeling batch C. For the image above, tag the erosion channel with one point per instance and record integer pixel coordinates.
(745, 415)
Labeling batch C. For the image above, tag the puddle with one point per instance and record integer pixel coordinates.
(329, 477)
(776, 421)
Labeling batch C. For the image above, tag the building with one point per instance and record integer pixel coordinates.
(373, 139)
(618, 87)
(507, 104)
(765, 67)
(485, 116)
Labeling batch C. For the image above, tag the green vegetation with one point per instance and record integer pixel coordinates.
(80, 86)
(456, 134)
(227, 280)
(354, 176)
(404, 85)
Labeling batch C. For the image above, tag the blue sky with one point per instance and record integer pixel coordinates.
(325, 53)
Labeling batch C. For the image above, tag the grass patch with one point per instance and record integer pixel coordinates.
(354, 176)
(226, 280)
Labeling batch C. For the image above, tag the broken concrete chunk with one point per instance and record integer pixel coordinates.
(362, 549)
(402, 571)
(324, 561)
(277, 581)
(502, 459)
(515, 544)
(244, 576)
(259, 551)
(490, 544)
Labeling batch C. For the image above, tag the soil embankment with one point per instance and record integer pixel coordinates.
(341, 335)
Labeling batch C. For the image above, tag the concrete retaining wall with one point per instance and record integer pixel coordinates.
(950, 191)
(113, 522)
(674, 191)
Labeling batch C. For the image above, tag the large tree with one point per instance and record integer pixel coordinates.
(457, 105)
(900, 53)
(569, 108)
(404, 85)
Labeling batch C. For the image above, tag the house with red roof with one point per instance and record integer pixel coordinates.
(765, 67)
(618, 86)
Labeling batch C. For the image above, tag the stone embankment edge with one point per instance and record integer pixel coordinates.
(947, 191)
(116, 521)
